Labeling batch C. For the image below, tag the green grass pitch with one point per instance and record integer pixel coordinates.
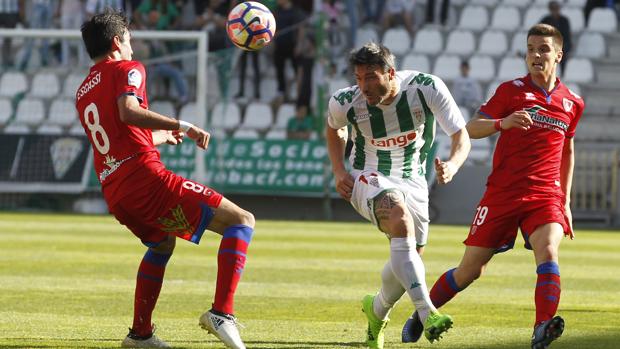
(67, 281)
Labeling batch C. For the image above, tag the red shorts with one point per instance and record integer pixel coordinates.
(496, 221)
(162, 203)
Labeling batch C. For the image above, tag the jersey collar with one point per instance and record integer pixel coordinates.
(529, 80)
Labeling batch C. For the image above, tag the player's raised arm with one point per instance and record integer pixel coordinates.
(481, 126)
(131, 113)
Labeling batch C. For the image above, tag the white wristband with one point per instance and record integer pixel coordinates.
(185, 126)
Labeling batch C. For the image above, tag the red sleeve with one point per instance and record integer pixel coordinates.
(497, 106)
(579, 107)
(131, 80)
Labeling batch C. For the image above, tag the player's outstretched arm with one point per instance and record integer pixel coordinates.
(336, 143)
(481, 126)
(461, 146)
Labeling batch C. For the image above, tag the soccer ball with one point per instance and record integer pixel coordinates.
(250, 26)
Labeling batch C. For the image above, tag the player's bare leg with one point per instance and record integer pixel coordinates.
(236, 227)
(148, 285)
(471, 267)
(396, 221)
(545, 241)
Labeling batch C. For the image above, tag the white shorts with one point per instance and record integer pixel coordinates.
(370, 183)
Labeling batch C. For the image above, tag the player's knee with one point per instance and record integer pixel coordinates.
(245, 217)
(547, 253)
(166, 246)
(392, 214)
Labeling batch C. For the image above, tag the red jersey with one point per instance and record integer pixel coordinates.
(529, 161)
(119, 149)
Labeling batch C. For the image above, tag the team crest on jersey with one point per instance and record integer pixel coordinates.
(134, 78)
(529, 96)
(568, 104)
(176, 223)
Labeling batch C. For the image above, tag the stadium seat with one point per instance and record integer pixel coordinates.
(576, 3)
(460, 42)
(492, 87)
(447, 67)
(506, 18)
(243, 133)
(364, 35)
(285, 112)
(517, 3)
(519, 43)
(579, 70)
(511, 68)
(47, 129)
(258, 116)
(575, 17)
(6, 111)
(482, 68)
(62, 113)
(45, 85)
(493, 43)
(429, 41)
(29, 114)
(13, 83)
(398, 39)
(591, 45)
(269, 89)
(543, 3)
(72, 82)
(276, 134)
(487, 3)
(77, 130)
(603, 20)
(189, 113)
(474, 18)
(225, 115)
(163, 107)
(533, 15)
(416, 62)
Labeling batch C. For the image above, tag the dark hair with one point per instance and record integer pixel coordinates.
(100, 30)
(547, 30)
(465, 63)
(372, 54)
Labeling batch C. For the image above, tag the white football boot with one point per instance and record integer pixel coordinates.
(134, 341)
(224, 327)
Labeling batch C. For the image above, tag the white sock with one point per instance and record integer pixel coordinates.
(409, 270)
(390, 293)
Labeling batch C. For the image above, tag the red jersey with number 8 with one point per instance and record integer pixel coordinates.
(529, 161)
(119, 149)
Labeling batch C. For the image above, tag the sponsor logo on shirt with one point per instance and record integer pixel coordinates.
(361, 117)
(400, 141)
(530, 96)
(134, 78)
(518, 83)
(546, 121)
(417, 113)
(88, 85)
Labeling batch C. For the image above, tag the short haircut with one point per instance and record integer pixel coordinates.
(100, 30)
(372, 54)
(547, 30)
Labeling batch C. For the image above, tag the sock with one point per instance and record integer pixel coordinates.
(547, 294)
(445, 289)
(408, 268)
(390, 293)
(148, 285)
(230, 263)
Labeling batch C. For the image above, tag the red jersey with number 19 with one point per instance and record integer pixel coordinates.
(119, 149)
(529, 161)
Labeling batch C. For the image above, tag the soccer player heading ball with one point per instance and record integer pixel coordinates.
(393, 117)
(155, 204)
(529, 187)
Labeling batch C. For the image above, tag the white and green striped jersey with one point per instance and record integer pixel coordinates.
(395, 139)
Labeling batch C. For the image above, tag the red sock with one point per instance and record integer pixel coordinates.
(547, 294)
(230, 263)
(148, 285)
(444, 289)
